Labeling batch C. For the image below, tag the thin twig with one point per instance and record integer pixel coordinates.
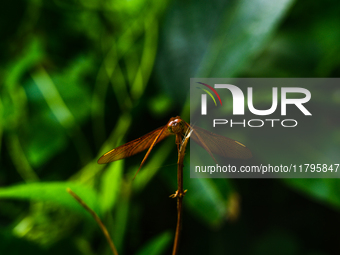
(97, 219)
(180, 192)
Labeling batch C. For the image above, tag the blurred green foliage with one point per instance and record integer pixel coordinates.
(78, 78)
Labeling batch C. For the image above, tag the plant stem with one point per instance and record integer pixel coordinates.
(180, 192)
(97, 219)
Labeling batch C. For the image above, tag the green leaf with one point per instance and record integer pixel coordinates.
(54, 192)
(323, 190)
(60, 103)
(32, 54)
(110, 184)
(205, 200)
(215, 39)
(157, 245)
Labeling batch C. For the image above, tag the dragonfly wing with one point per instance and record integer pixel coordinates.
(135, 146)
(220, 145)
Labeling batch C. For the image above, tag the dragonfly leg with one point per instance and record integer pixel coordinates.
(178, 142)
(177, 194)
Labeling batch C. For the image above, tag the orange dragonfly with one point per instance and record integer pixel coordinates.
(212, 143)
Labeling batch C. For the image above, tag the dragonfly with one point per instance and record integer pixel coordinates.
(211, 142)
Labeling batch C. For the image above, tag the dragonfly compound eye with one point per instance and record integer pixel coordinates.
(176, 126)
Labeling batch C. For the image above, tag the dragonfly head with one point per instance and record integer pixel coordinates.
(176, 125)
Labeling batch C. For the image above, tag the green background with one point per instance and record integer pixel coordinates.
(78, 78)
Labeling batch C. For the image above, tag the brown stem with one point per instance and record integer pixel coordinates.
(97, 219)
(180, 192)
